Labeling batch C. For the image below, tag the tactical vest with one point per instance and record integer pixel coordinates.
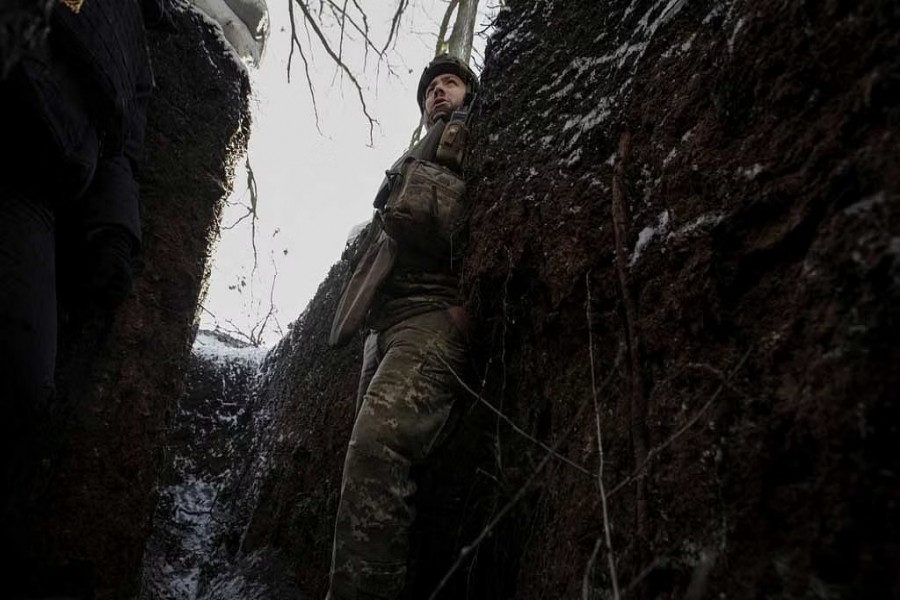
(419, 210)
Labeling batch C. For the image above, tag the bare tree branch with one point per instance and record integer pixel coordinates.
(526, 487)
(256, 333)
(326, 45)
(509, 421)
(365, 33)
(368, 44)
(251, 185)
(637, 405)
(402, 5)
(607, 537)
(296, 42)
(240, 220)
(343, 28)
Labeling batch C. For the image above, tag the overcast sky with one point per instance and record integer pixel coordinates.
(313, 187)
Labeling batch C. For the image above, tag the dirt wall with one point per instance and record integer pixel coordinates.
(684, 240)
(732, 273)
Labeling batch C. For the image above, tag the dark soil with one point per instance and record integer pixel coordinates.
(736, 337)
(764, 156)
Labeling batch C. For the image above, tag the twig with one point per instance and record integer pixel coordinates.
(637, 402)
(365, 33)
(240, 220)
(237, 331)
(340, 63)
(257, 331)
(395, 23)
(367, 41)
(681, 430)
(552, 452)
(343, 29)
(640, 576)
(296, 42)
(503, 334)
(466, 550)
(603, 499)
(720, 375)
(509, 421)
(251, 185)
(586, 586)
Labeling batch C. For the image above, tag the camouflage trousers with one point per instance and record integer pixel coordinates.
(403, 409)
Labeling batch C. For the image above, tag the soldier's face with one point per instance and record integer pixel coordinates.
(443, 95)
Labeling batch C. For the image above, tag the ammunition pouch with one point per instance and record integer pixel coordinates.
(425, 205)
(370, 273)
(452, 146)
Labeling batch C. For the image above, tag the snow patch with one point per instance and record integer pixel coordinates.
(703, 221)
(737, 29)
(242, 24)
(563, 92)
(573, 158)
(647, 234)
(356, 230)
(750, 172)
(599, 114)
(865, 205)
(670, 157)
(207, 346)
(679, 49)
(671, 9)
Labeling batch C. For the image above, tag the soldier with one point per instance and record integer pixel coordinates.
(404, 290)
(74, 82)
(75, 79)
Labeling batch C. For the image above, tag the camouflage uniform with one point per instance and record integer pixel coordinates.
(413, 358)
(406, 396)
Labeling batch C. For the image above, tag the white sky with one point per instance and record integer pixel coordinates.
(313, 188)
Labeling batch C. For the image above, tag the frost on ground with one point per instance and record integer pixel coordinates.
(212, 432)
(213, 347)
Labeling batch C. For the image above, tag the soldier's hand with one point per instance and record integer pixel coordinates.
(23, 25)
(110, 271)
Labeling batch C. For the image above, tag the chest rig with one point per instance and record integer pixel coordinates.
(424, 206)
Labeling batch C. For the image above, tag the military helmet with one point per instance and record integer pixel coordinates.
(445, 63)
